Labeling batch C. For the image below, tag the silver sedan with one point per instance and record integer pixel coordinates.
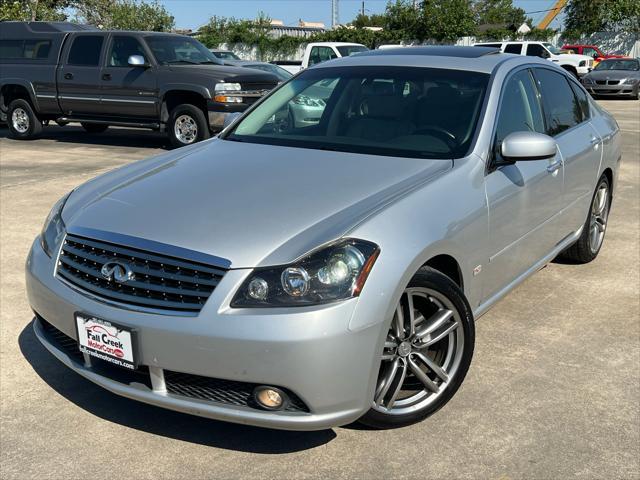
(304, 275)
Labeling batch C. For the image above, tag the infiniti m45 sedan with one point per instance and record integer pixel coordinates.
(304, 275)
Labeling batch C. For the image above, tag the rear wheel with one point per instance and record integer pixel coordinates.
(94, 127)
(427, 352)
(22, 120)
(590, 242)
(187, 125)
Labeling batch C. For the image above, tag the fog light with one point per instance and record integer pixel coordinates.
(270, 398)
(258, 288)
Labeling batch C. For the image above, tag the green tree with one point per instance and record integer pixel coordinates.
(585, 17)
(125, 14)
(374, 20)
(447, 20)
(498, 19)
(23, 10)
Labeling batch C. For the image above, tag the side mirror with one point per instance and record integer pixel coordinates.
(545, 54)
(519, 146)
(137, 61)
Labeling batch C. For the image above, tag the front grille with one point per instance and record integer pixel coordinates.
(160, 282)
(221, 391)
(227, 392)
(607, 82)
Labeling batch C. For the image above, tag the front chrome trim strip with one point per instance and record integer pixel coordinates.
(41, 95)
(87, 99)
(151, 246)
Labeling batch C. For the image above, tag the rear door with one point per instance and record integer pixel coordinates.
(525, 198)
(79, 75)
(128, 91)
(568, 121)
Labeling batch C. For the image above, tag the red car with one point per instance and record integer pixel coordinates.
(591, 51)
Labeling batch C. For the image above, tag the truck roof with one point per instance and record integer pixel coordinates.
(12, 28)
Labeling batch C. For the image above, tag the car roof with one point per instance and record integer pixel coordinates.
(478, 59)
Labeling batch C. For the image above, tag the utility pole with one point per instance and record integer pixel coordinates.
(363, 8)
(335, 18)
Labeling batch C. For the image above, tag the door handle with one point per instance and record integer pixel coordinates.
(68, 76)
(554, 166)
(106, 76)
(595, 142)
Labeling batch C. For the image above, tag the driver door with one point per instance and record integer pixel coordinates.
(524, 198)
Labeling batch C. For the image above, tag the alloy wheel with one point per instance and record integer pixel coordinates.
(599, 216)
(422, 352)
(20, 120)
(186, 129)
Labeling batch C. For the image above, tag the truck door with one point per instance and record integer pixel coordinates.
(79, 75)
(129, 91)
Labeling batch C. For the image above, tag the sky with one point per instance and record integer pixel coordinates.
(194, 13)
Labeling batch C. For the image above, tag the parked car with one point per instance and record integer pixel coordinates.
(618, 77)
(280, 73)
(224, 54)
(322, 51)
(303, 277)
(291, 66)
(577, 65)
(590, 51)
(65, 73)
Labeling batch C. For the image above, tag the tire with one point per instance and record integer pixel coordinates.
(573, 72)
(94, 127)
(22, 121)
(443, 333)
(187, 125)
(589, 244)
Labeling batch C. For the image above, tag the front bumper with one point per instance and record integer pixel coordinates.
(612, 90)
(308, 351)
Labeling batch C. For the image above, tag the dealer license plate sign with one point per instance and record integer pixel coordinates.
(106, 341)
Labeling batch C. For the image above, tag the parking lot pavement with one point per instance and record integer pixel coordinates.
(552, 391)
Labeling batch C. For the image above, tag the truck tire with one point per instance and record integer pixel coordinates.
(22, 120)
(94, 127)
(187, 125)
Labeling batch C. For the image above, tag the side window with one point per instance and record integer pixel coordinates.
(513, 48)
(121, 49)
(85, 50)
(590, 51)
(520, 109)
(25, 49)
(562, 109)
(314, 56)
(583, 101)
(536, 50)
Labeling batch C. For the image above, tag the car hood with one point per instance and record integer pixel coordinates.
(225, 73)
(612, 74)
(250, 204)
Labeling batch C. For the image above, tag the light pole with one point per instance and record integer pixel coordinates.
(335, 19)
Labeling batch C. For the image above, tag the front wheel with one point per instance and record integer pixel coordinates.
(427, 352)
(187, 124)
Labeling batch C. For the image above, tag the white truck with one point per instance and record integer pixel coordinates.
(578, 65)
(322, 51)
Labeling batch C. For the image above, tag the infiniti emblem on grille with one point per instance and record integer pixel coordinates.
(118, 271)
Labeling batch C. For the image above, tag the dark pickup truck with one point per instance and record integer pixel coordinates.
(64, 72)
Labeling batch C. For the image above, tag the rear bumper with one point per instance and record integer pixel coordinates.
(310, 352)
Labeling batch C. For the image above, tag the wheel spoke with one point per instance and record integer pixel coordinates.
(420, 375)
(431, 365)
(434, 322)
(399, 366)
(600, 224)
(398, 381)
(399, 321)
(439, 336)
(412, 314)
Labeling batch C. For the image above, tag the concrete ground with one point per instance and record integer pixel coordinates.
(553, 390)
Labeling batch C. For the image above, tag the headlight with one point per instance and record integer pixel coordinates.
(630, 81)
(336, 272)
(227, 88)
(308, 101)
(587, 81)
(53, 228)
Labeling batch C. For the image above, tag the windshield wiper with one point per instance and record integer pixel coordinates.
(172, 62)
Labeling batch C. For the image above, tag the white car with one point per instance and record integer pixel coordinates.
(577, 65)
(322, 51)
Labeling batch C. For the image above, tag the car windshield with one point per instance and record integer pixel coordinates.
(618, 65)
(395, 111)
(226, 55)
(169, 49)
(281, 73)
(348, 50)
(552, 48)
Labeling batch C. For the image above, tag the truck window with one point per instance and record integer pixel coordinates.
(513, 48)
(537, 50)
(121, 49)
(590, 52)
(85, 50)
(25, 49)
(321, 54)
